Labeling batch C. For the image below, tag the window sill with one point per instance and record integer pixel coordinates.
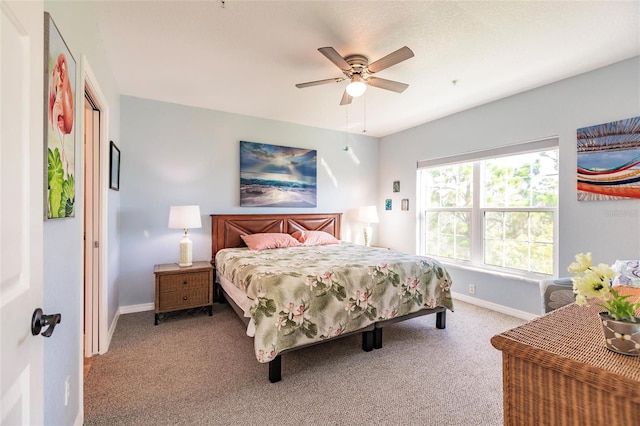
(529, 279)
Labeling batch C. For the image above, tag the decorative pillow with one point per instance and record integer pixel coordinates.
(556, 293)
(629, 272)
(315, 238)
(269, 241)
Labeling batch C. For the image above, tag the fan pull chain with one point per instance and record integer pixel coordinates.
(346, 128)
(364, 120)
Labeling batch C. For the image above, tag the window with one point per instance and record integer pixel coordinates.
(495, 209)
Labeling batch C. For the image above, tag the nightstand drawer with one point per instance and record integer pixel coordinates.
(179, 288)
(183, 299)
(179, 282)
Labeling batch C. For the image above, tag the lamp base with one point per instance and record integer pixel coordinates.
(367, 235)
(186, 258)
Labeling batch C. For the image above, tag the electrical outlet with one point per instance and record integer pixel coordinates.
(472, 289)
(67, 390)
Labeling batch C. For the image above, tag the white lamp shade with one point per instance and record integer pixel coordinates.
(357, 87)
(368, 214)
(184, 217)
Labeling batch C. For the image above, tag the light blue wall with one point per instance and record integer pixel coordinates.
(609, 229)
(174, 155)
(63, 238)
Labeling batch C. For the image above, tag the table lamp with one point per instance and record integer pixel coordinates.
(185, 217)
(368, 215)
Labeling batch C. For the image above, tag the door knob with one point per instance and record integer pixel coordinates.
(39, 320)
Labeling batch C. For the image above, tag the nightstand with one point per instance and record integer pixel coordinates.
(180, 288)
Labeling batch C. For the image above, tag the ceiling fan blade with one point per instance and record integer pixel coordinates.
(394, 86)
(391, 59)
(319, 82)
(335, 57)
(346, 98)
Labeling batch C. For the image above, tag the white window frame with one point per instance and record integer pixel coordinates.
(477, 229)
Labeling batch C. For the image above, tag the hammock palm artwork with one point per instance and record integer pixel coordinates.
(609, 160)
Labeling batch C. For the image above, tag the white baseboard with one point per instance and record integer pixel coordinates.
(494, 306)
(130, 309)
(112, 330)
(125, 310)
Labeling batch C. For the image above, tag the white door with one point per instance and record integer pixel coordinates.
(21, 210)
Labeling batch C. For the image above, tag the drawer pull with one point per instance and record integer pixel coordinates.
(185, 282)
(184, 298)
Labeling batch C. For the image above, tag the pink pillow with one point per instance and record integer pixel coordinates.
(315, 238)
(269, 241)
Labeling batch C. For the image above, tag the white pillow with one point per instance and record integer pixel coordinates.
(629, 271)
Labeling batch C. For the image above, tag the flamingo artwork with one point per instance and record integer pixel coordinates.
(59, 111)
(61, 101)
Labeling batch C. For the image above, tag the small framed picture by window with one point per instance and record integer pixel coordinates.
(405, 204)
(396, 186)
(387, 204)
(114, 167)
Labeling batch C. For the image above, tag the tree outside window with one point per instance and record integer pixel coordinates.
(496, 212)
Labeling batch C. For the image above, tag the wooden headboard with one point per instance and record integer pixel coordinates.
(227, 229)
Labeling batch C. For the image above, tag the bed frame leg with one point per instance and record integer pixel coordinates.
(367, 341)
(218, 294)
(377, 338)
(441, 319)
(275, 369)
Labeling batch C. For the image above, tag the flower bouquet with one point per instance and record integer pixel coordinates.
(592, 284)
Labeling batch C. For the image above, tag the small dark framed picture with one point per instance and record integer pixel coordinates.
(396, 186)
(387, 204)
(114, 167)
(405, 204)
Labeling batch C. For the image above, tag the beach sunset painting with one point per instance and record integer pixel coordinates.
(277, 176)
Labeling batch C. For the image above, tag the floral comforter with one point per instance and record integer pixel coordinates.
(307, 294)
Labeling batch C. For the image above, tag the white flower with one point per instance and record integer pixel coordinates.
(592, 284)
(583, 261)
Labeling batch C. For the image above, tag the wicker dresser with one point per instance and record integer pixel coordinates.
(557, 371)
(180, 288)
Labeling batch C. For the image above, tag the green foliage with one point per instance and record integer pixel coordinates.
(61, 191)
(329, 287)
(527, 180)
(356, 308)
(518, 239)
(439, 272)
(263, 308)
(449, 234)
(384, 275)
(68, 197)
(451, 186)
(289, 326)
(409, 292)
(55, 176)
(620, 308)
(310, 329)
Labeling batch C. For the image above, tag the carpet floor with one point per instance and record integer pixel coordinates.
(193, 369)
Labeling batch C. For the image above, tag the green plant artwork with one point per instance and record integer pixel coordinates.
(61, 191)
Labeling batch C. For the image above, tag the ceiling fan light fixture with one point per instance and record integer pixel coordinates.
(357, 86)
(359, 71)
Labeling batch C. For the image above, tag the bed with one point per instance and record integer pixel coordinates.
(291, 297)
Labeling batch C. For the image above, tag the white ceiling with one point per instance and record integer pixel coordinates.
(247, 56)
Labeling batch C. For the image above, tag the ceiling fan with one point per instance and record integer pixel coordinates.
(360, 72)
